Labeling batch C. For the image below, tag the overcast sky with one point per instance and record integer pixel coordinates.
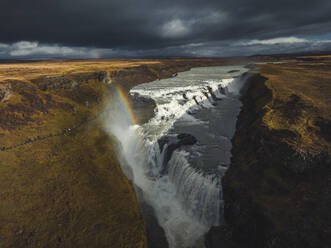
(144, 28)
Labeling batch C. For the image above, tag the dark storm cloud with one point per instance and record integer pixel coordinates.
(167, 26)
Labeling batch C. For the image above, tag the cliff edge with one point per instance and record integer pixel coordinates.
(61, 183)
(277, 190)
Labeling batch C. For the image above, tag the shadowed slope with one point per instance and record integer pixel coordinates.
(277, 190)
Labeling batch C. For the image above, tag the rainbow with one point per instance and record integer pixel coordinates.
(124, 101)
(123, 97)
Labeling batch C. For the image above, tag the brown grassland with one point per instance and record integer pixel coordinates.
(61, 184)
(65, 190)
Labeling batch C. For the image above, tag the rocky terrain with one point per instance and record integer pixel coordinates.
(61, 184)
(277, 190)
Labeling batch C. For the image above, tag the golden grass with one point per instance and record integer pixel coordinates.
(68, 190)
(301, 96)
(27, 71)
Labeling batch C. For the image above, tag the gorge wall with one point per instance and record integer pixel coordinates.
(277, 191)
(62, 185)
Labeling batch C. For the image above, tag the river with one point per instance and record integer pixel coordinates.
(178, 158)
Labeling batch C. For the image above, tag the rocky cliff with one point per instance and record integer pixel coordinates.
(61, 184)
(277, 191)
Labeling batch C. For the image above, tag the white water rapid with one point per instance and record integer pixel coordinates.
(184, 186)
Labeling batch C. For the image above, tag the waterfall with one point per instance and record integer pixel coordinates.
(199, 193)
(187, 198)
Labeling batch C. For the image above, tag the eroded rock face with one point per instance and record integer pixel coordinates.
(5, 91)
(104, 77)
(276, 195)
(142, 107)
(65, 81)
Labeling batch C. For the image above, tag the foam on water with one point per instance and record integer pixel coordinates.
(187, 201)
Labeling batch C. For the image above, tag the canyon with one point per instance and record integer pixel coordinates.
(63, 183)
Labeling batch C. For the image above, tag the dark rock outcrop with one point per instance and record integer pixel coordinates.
(195, 99)
(186, 139)
(233, 71)
(275, 194)
(222, 90)
(142, 107)
(211, 92)
(183, 139)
